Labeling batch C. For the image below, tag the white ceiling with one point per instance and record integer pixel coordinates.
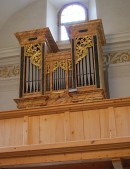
(10, 7)
(60, 3)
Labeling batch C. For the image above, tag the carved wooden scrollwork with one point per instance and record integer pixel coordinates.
(61, 63)
(34, 51)
(82, 45)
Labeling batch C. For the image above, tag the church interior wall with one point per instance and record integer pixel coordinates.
(92, 9)
(51, 19)
(119, 80)
(31, 17)
(114, 15)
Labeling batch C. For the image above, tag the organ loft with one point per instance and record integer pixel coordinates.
(64, 120)
(49, 76)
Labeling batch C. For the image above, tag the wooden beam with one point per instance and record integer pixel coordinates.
(117, 164)
(66, 107)
(63, 158)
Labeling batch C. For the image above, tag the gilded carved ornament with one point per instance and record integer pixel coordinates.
(34, 51)
(82, 44)
(69, 62)
(61, 63)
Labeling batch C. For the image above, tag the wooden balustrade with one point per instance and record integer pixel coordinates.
(64, 133)
(64, 124)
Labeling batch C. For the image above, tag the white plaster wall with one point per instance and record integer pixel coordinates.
(9, 90)
(115, 15)
(51, 19)
(9, 78)
(119, 80)
(31, 17)
(92, 10)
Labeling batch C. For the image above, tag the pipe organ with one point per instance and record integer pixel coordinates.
(87, 40)
(47, 74)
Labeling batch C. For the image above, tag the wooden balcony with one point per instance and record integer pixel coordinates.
(66, 134)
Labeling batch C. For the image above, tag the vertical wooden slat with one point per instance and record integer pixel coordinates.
(33, 130)
(76, 131)
(9, 132)
(104, 123)
(95, 132)
(112, 125)
(18, 137)
(92, 124)
(67, 125)
(25, 130)
(60, 130)
(87, 125)
(128, 116)
(2, 133)
(47, 129)
(121, 118)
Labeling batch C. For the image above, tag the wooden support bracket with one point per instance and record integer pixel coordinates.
(117, 164)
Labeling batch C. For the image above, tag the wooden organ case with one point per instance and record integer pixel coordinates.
(49, 76)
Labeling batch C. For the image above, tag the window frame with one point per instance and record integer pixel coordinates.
(63, 24)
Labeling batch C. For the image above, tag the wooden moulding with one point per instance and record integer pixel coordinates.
(37, 36)
(87, 94)
(83, 94)
(30, 102)
(92, 27)
(52, 109)
(96, 150)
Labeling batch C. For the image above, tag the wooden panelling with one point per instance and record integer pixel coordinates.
(91, 124)
(2, 133)
(25, 130)
(129, 119)
(52, 129)
(65, 134)
(87, 124)
(34, 130)
(122, 119)
(104, 123)
(60, 128)
(112, 125)
(66, 126)
(11, 132)
(76, 126)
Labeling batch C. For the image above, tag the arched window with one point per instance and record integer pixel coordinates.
(71, 13)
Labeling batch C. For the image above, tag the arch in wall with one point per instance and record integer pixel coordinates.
(68, 14)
